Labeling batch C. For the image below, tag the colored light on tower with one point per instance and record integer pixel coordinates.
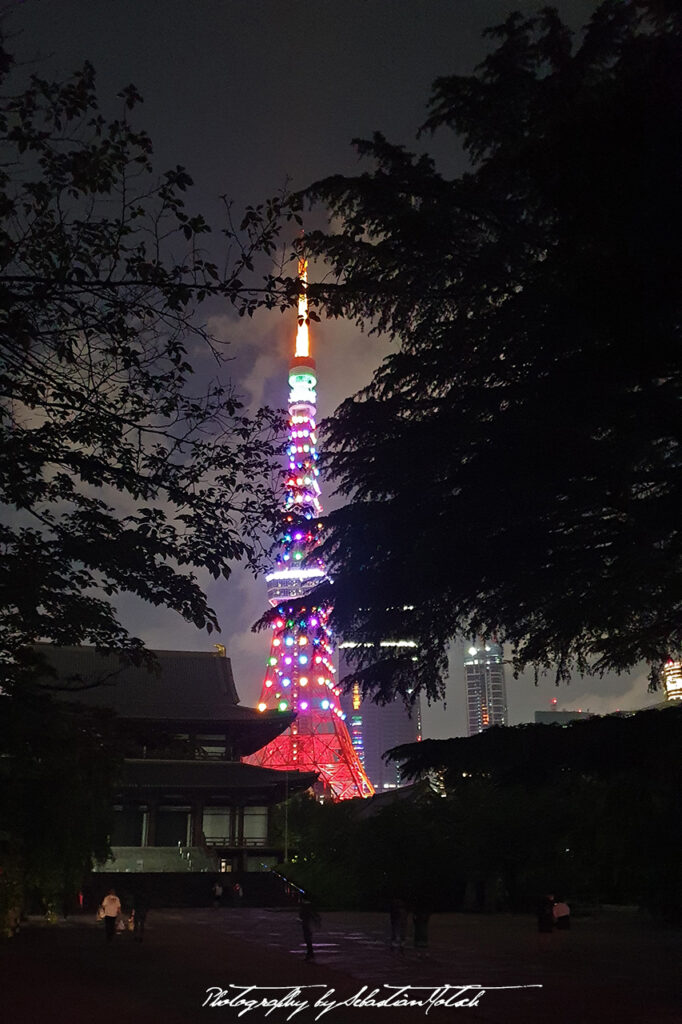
(317, 741)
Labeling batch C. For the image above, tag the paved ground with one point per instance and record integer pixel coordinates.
(614, 968)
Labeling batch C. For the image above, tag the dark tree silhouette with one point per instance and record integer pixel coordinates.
(117, 472)
(513, 469)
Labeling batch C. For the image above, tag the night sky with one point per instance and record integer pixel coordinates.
(250, 94)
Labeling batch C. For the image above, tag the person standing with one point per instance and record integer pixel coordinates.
(420, 919)
(217, 894)
(545, 913)
(139, 917)
(562, 916)
(398, 913)
(111, 905)
(309, 918)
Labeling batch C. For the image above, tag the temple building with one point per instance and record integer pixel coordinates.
(185, 802)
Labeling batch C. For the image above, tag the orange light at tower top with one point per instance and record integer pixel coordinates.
(302, 339)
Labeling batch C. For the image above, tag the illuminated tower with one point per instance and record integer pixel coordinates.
(486, 689)
(300, 672)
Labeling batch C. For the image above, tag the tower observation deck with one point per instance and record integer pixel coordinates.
(300, 672)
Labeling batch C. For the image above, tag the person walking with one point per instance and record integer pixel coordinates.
(111, 906)
(139, 917)
(545, 915)
(562, 921)
(309, 919)
(217, 894)
(398, 915)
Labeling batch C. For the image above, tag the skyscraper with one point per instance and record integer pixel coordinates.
(485, 686)
(375, 728)
(672, 679)
(300, 672)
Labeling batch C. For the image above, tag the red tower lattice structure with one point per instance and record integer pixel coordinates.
(300, 672)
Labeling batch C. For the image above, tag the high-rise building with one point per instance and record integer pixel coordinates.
(560, 717)
(672, 679)
(300, 674)
(556, 717)
(485, 686)
(376, 728)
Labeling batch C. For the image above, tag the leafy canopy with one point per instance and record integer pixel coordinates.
(512, 469)
(119, 471)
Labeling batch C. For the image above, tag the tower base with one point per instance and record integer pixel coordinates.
(318, 743)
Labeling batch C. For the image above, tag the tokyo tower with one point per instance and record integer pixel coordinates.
(300, 672)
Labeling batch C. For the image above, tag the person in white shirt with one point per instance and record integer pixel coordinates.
(111, 905)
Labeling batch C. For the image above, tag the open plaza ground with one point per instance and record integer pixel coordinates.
(612, 966)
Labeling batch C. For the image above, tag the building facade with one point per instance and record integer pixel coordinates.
(485, 687)
(185, 802)
(375, 728)
(559, 717)
(672, 679)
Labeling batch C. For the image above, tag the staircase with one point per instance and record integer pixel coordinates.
(159, 858)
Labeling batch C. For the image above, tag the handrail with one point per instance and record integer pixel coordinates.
(226, 841)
